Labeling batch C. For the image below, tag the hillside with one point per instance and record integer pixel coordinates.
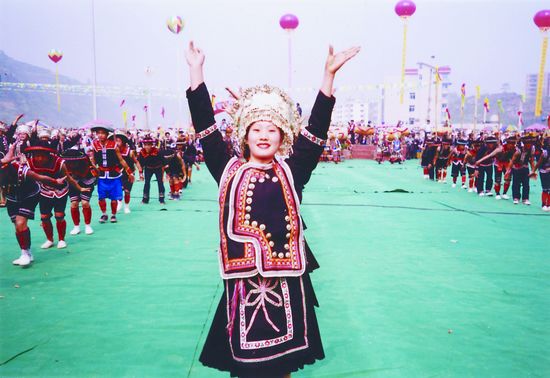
(75, 109)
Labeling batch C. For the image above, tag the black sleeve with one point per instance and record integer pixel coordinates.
(10, 133)
(305, 154)
(33, 139)
(70, 142)
(202, 115)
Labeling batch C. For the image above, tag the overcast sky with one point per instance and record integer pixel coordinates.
(486, 43)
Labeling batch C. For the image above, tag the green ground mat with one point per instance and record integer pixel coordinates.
(431, 282)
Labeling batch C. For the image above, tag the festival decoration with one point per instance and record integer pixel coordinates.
(289, 23)
(124, 113)
(404, 9)
(175, 24)
(485, 109)
(542, 20)
(500, 110)
(437, 110)
(462, 103)
(55, 56)
(364, 130)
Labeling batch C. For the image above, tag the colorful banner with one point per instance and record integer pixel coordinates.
(462, 95)
(520, 119)
(486, 104)
(500, 108)
(437, 76)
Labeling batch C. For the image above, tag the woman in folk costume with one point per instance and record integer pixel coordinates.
(265, 323)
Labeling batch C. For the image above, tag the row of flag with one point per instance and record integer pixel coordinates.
(486, 105)
(145, 109)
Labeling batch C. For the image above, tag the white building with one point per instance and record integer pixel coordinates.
(350, 109)
(423, 103)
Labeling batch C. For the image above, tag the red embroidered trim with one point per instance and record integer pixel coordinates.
(318, 141)
(257, 253)
(207, 131)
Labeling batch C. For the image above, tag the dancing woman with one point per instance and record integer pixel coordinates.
(265, 323)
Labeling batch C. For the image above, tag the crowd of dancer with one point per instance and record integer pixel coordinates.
(48, 168)
(491, 162)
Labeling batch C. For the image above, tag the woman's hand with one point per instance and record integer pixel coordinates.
(336, 61)
(195, 59)
(17, 119)
(60, 181)
(194, 56)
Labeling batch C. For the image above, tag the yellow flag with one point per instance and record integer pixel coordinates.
(478, 95)
(437, 75)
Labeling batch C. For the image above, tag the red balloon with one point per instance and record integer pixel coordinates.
(405, 8)
(542, 19)
(289, 22)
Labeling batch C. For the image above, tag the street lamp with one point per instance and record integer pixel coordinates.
(432, 70)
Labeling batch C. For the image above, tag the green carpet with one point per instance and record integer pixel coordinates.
(431, 282)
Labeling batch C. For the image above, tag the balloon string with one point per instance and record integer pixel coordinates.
(538, 102)
(437, 110)
(57, 88)
(403, 60)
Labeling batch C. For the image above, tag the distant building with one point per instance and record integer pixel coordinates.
(351, 108)
(531, 85)
(420, 106)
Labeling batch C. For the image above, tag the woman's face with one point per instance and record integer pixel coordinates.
(147, 147)
(22, 137)
(264, 140)
(101, 135)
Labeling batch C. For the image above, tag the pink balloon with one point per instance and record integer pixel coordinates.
(289, 22)
(405, 8)
(542, 19)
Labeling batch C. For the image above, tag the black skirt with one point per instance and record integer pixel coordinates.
(264, 327)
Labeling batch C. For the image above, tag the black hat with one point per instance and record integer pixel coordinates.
(121, 135)
(73, 155)
(148, 139)
(102, 127)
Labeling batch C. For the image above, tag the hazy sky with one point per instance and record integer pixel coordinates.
(486, 43)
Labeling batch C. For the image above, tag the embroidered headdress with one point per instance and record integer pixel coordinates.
(266, 103)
